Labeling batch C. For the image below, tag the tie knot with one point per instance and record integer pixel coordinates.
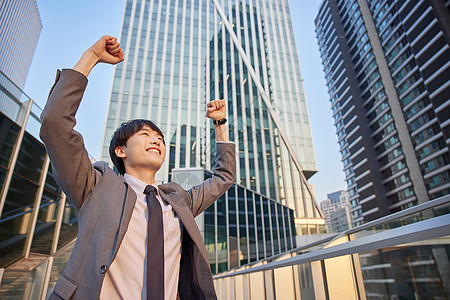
(149, 189)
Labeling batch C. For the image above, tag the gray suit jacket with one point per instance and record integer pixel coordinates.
(104, 202)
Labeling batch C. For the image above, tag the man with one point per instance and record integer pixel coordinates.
(136, 240)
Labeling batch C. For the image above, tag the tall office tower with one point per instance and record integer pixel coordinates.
(386, 64)
(20, 27)
(180, 54)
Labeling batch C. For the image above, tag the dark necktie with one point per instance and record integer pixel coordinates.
(155, 246)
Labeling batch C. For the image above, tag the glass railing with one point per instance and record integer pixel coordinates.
(38, 282)
(401, 256)
(14, 230)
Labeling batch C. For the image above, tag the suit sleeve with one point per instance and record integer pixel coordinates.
(205, 194)
(71, 165)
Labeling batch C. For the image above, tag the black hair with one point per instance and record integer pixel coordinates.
(121, 136)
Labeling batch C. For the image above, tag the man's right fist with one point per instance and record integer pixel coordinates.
(107, 50)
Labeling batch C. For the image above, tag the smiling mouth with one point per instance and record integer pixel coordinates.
(154, 150)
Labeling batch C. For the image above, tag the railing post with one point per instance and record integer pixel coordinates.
(57, 232)
(37, 204)
(15, 154)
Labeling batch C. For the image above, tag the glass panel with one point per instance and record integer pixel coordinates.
(210, 236)
(8, 138)
(306, 281)
(293, 231)
(308, 203)
(221, 235)
(289, 191)
(34, 123)
(242, 227)
(251, 226)
(45, 225)
(267, 227)
(232, 219)
(281, 229)
(287, 229)
(300, 209)
(27, 172)
(276, 240)
(259, 227)
(69, 226)
(13, 231)
(408, 271)
(45, 228)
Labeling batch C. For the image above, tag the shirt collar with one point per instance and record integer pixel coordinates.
(138, 185)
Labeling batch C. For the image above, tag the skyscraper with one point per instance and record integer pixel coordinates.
(386, 64)
(181, 54)
(20, 27)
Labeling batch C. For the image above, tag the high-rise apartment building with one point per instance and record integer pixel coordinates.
(20, 27)
(336, 210)
(386, 65)
(181, 54)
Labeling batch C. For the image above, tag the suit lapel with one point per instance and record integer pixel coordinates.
(127, 210)
(183, 212)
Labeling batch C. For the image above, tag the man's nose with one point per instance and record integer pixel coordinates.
(155, 142)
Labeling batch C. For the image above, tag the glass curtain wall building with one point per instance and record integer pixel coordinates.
(181, 54)
(242, 226)
(386, 64)
(35, 219)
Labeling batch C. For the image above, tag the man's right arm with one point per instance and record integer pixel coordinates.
(71, 165)
(70, 161)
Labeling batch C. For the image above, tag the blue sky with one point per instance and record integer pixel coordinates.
(70, 27)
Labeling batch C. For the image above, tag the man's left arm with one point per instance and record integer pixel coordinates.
(203, 195)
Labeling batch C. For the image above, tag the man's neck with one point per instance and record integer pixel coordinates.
(147, 176)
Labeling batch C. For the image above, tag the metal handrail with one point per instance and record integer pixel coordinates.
(424, 230)
(318, 254)
(25, 212)
(402, 213)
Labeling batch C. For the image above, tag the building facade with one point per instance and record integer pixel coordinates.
(336, 210)
(242, 226)
(386, 65)
(179, 55)
(20, 27)
(35, 219)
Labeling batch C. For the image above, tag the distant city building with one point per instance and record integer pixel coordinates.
(182, 54)
(20, 27)
(336, 210)
(387, 66)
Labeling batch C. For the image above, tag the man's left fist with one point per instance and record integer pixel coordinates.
(216, 109)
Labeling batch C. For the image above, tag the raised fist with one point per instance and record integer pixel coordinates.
(216, 109)
(107, 49)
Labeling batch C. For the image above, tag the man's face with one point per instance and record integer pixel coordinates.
(145, 149)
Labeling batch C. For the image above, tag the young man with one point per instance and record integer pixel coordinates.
(136, 240)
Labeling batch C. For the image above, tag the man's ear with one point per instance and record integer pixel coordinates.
(120, 152)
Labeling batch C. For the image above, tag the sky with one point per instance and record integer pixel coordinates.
(70, 27)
